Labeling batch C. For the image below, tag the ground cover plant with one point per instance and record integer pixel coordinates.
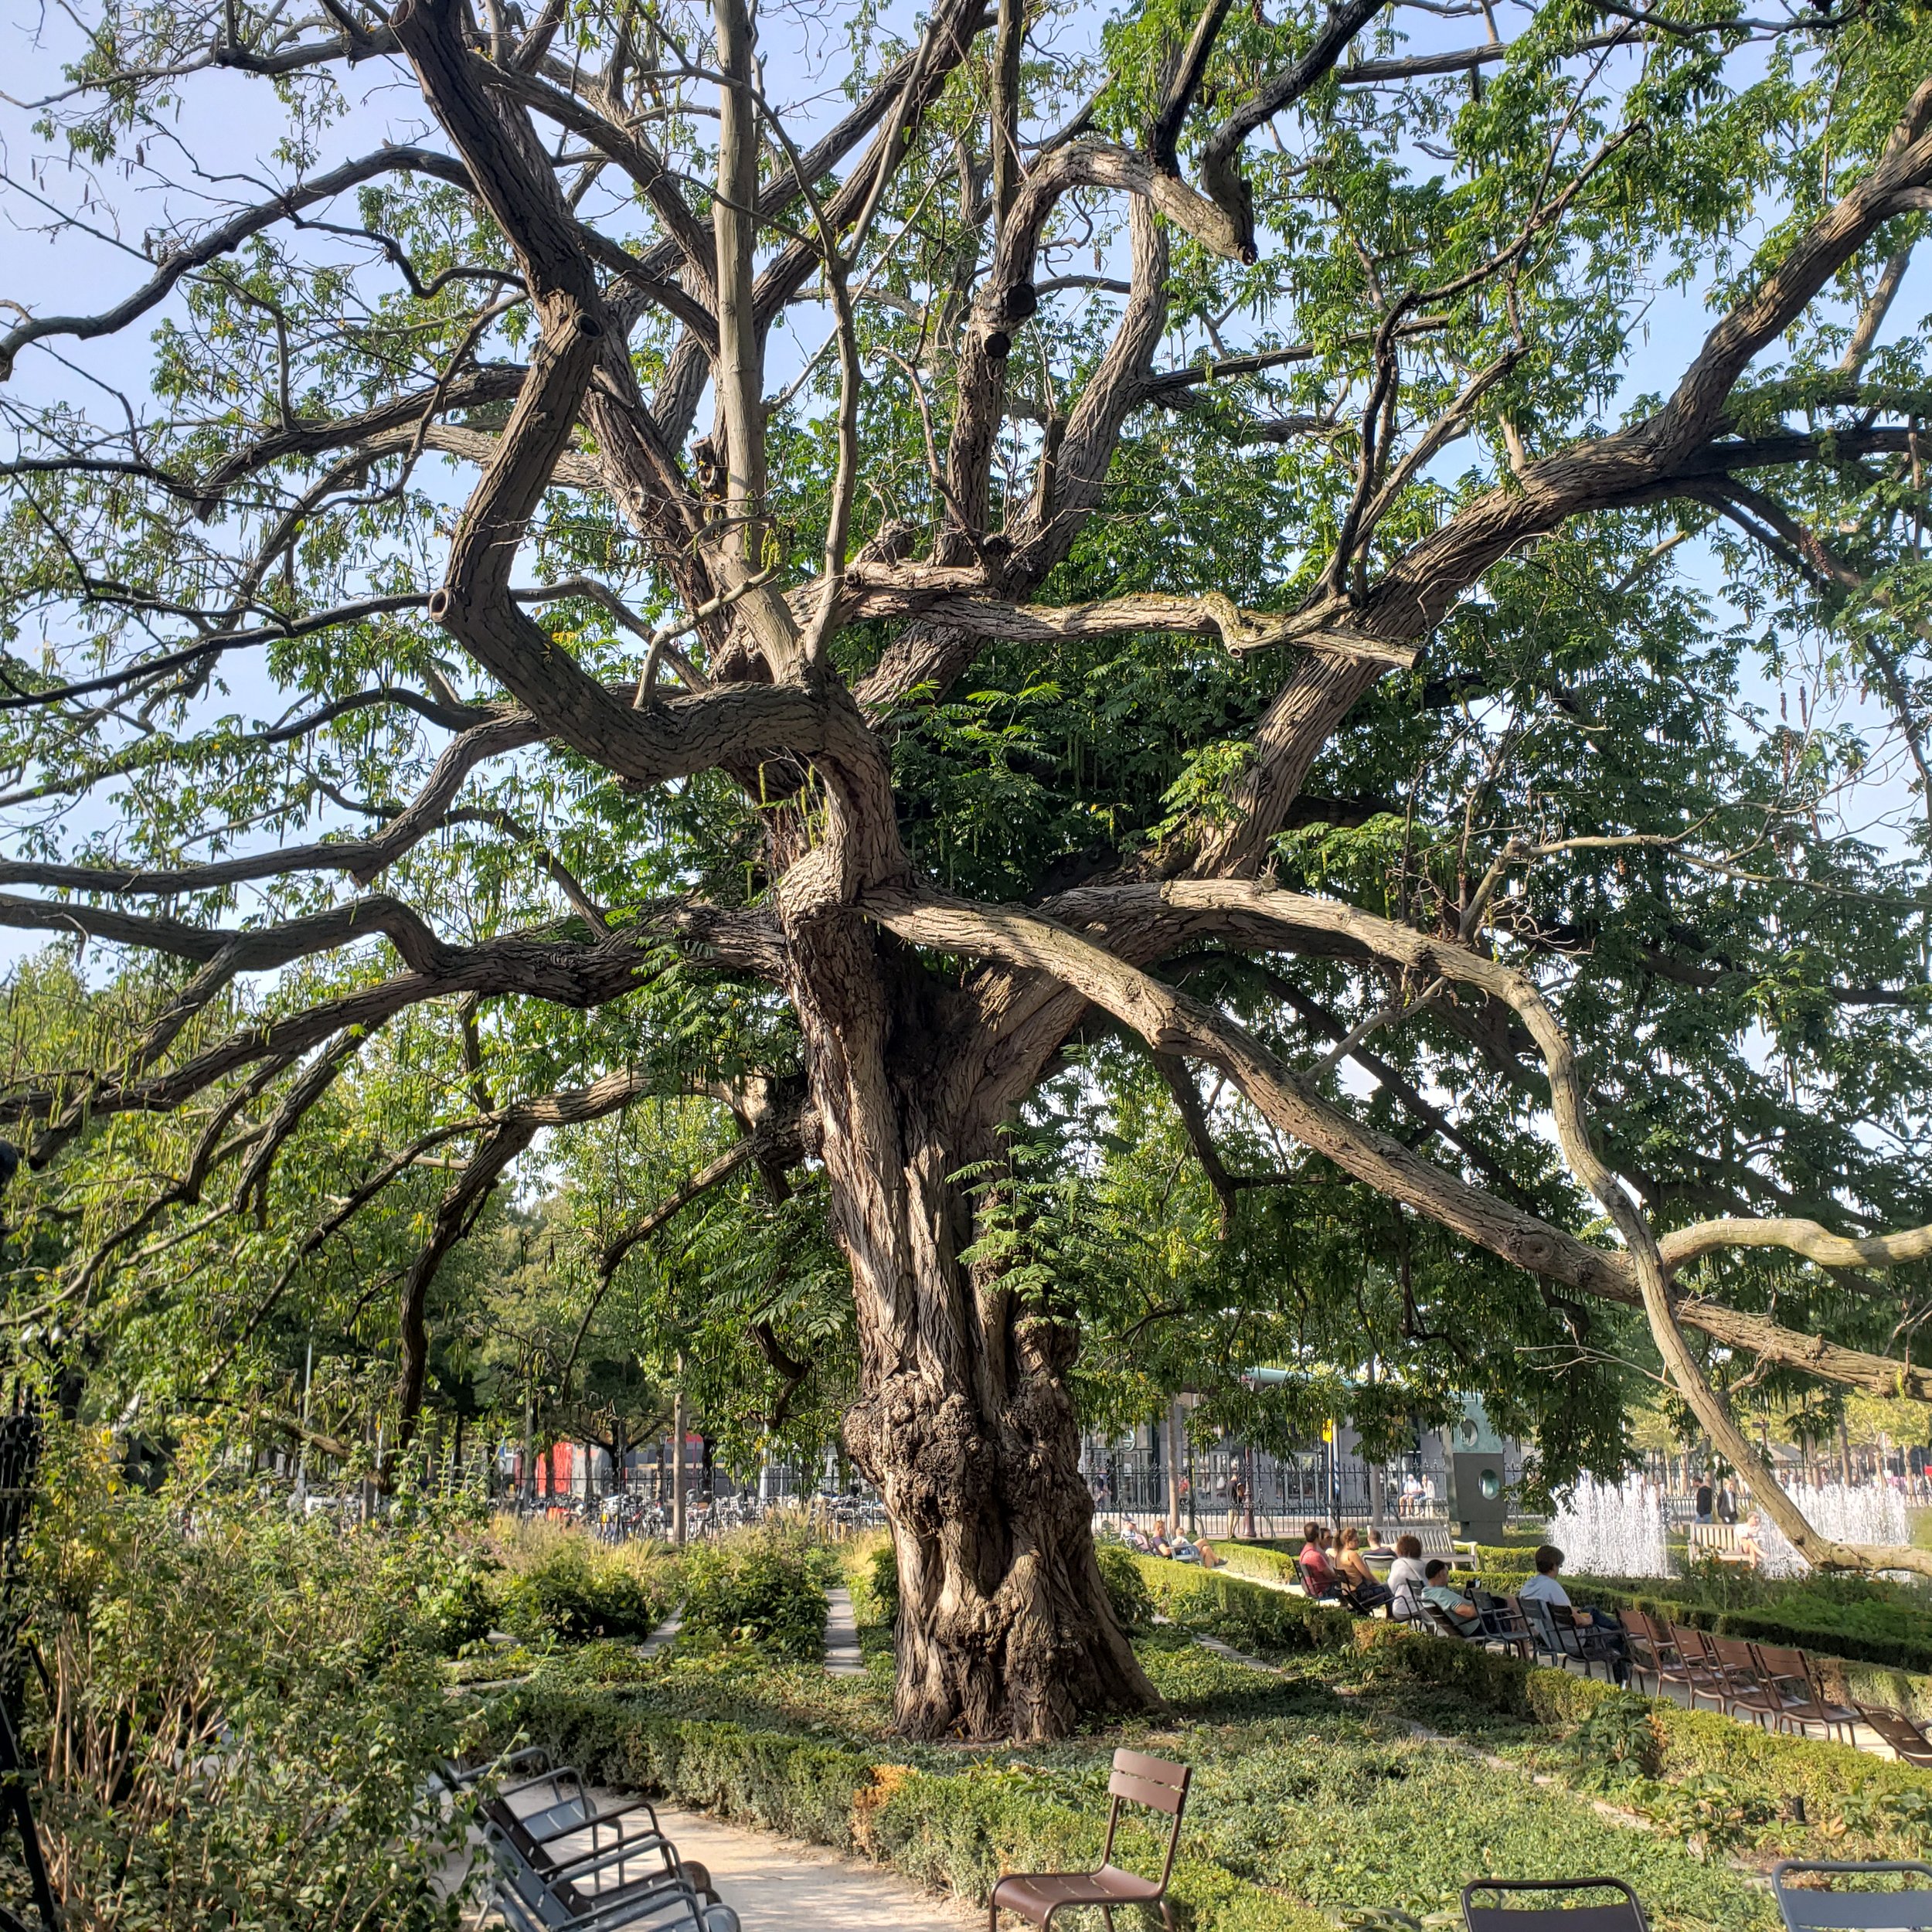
(1315, 1797)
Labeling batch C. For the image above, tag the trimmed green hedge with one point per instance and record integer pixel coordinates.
(1691, 1744)
(957, 1832)
(1875, 1670)
(1249, 1616)
(1778, 1624)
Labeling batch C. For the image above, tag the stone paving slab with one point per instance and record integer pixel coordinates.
(841, 1635)
(778, 1885)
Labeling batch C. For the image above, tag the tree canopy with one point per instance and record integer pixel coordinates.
(1249, 682)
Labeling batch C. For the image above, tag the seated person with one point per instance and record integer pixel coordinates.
(1132, 1535)
(1185, 1550)
(1437, 1589)
(1543, 1588)
(1407, 1576)
(1749, 1548)
(1368, 1589)
(1158, 1542)
(1314, 1559)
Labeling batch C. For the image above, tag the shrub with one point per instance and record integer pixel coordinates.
(876, 1601)
(1127, 1589)
(764, 1587)
(1249, 1616)
(562, 1584)
(245, 1708)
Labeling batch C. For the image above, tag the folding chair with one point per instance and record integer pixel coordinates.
(1828, 1909)
(1898, 1731)
(1037, 1895)
(1625, 1915)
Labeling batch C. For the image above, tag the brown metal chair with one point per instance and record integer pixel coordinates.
(1647, 1642)
(1742, 1691)
(1795, 1677)
(1626, 1915)
(1899, 1731)
(1699, 1672)
(1037, 1895)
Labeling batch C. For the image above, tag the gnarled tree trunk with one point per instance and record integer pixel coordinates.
(964, 1421)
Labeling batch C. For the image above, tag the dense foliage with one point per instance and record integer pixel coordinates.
(766, 1588)
(241, 1714)
(1377, 565)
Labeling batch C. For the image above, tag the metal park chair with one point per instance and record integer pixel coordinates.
(1898, 1731)
(1037, 1895)
(1651, 1653)
(1744, 1689)
(1830, 1908)
(1795, 1678)
(1625, 1915)
(1699, 1672)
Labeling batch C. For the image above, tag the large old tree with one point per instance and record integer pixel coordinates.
(602, 563)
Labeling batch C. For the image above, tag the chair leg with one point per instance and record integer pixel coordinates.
(1167, 1915)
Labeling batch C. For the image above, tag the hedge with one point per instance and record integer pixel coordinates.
(1690, 1743)
(1249, 1616)
(1871, 1669)
(957, 1832)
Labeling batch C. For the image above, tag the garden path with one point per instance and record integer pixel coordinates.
(841, 1635)
(779, 1885)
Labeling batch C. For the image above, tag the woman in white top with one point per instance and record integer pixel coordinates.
(1407, 1576)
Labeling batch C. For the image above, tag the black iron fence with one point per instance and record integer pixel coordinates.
(1219, 1489)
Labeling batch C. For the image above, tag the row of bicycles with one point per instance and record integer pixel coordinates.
(626, 1515)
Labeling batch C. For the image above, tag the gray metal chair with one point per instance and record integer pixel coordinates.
(1624, 1915)
(1830, 1909)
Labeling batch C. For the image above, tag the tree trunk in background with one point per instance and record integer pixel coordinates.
(1175, 1466)
(677, 1465)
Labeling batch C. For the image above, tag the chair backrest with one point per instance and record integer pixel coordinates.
(1157, 1784)
(1624, 1914)
(1691, 1643)
(1899, 1731)
(1314, 1584)
(1734, 1657)
(1861, 1909)
(1780, 1664)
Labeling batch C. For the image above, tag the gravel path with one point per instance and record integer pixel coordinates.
(841, 1635)
(778, 1885)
